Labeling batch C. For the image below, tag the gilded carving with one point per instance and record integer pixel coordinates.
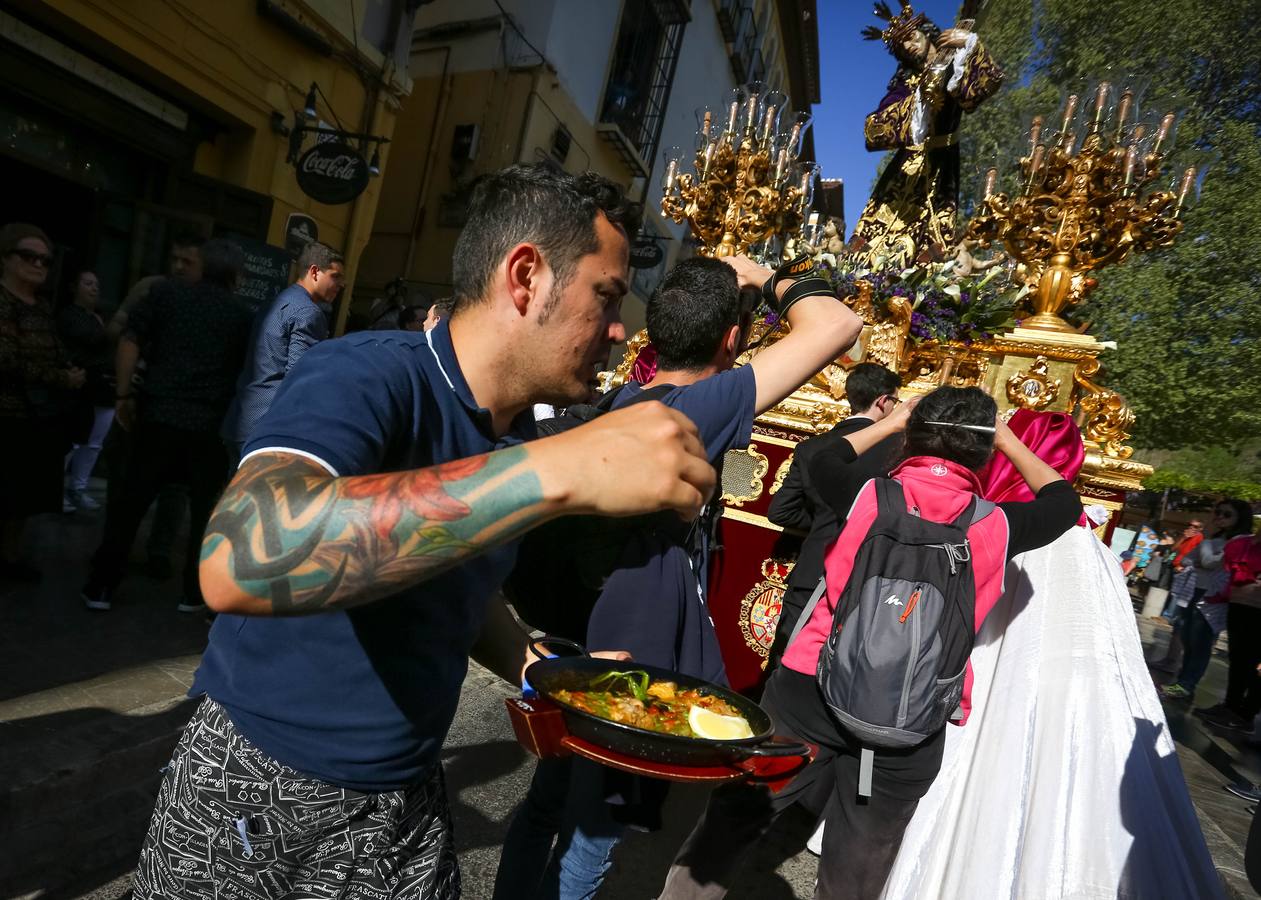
(618, 377)
(780, 474)
(1108, 418)
(1033, 388)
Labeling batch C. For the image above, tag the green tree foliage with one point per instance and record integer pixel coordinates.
(1213, 470)
(1187, 320)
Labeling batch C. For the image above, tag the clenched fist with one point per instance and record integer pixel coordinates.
(641, 459)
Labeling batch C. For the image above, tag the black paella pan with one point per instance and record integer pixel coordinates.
(576, 673)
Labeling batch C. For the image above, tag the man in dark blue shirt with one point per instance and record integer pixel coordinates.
(872, 393)
(193, 337)
(356, 556)
(283, 333)
(654, 604)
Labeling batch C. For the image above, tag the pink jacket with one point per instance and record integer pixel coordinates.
(941, 490)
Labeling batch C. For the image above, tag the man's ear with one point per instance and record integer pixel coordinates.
(733, 340)
(523, 275)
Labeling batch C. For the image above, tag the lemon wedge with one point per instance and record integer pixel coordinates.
(708, 724)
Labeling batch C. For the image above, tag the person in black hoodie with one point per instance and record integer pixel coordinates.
(654, 604)
(872, 393)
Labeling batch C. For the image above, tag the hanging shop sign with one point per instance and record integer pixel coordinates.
(646, 253)
(300, 230)
(332, 172)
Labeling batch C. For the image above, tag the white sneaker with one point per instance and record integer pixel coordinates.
(99, 600)
(82, 500)
(67, 505)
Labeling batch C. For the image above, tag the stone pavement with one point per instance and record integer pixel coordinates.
(91, 704)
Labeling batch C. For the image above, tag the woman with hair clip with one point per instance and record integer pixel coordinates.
(1065, 782)
(950, 436)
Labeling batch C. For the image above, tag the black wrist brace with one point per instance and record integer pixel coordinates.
(807, 283)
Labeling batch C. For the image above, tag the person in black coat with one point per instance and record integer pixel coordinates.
(872, 392)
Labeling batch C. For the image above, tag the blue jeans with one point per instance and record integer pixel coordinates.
(1197, 643)
(565, 802)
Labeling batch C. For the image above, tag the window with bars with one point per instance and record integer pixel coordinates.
(644, 60)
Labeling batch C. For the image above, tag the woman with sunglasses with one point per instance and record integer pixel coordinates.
(33, 374)
(1206, 617)
(1240, 594)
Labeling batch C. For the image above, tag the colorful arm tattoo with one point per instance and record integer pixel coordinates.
(291, 539)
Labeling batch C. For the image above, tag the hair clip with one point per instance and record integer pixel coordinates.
(987, 429)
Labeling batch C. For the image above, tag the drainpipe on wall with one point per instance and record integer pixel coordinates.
(358, 219)
(422, 198)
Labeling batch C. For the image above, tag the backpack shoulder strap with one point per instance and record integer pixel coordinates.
(974, 512)
(605, 403)
(807, 611)
(890, 498)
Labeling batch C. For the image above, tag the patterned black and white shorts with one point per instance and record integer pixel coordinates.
(231, 822)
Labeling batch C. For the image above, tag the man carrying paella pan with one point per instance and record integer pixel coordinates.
(356, 557)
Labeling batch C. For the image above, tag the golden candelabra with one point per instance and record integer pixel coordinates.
(747, 189)
(1081, 202)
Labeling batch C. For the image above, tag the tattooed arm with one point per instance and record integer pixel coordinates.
(288, 538)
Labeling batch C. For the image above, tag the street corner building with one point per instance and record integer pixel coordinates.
(124, 123)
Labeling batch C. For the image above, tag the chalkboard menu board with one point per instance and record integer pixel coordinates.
(266, 272)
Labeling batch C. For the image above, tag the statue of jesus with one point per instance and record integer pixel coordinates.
(941, 74)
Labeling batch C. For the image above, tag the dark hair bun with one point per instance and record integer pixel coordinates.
(962, 406)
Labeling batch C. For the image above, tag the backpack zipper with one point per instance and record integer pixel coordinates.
(910, 604)
(910, 663)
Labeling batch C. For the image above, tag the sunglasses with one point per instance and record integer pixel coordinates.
(33, 257)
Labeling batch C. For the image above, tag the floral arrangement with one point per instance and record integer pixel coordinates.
(956, 301)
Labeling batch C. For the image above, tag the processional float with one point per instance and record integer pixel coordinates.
(1090, 190)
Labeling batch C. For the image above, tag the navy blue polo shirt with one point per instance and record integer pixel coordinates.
(653, 605)
(363, 698)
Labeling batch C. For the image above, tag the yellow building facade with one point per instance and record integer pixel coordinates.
(125, 120)
(584, 86)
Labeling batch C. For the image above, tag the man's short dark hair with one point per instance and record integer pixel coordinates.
(222, 262)
(443, 306)
(409, 314)
(690, 311)
(536, 204)
(322, 256)
(187, 237)
(866, 383)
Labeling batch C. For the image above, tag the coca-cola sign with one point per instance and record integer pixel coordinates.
(332, 173)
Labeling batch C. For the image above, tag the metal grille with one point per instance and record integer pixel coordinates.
(742, 474)
(644, 63)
